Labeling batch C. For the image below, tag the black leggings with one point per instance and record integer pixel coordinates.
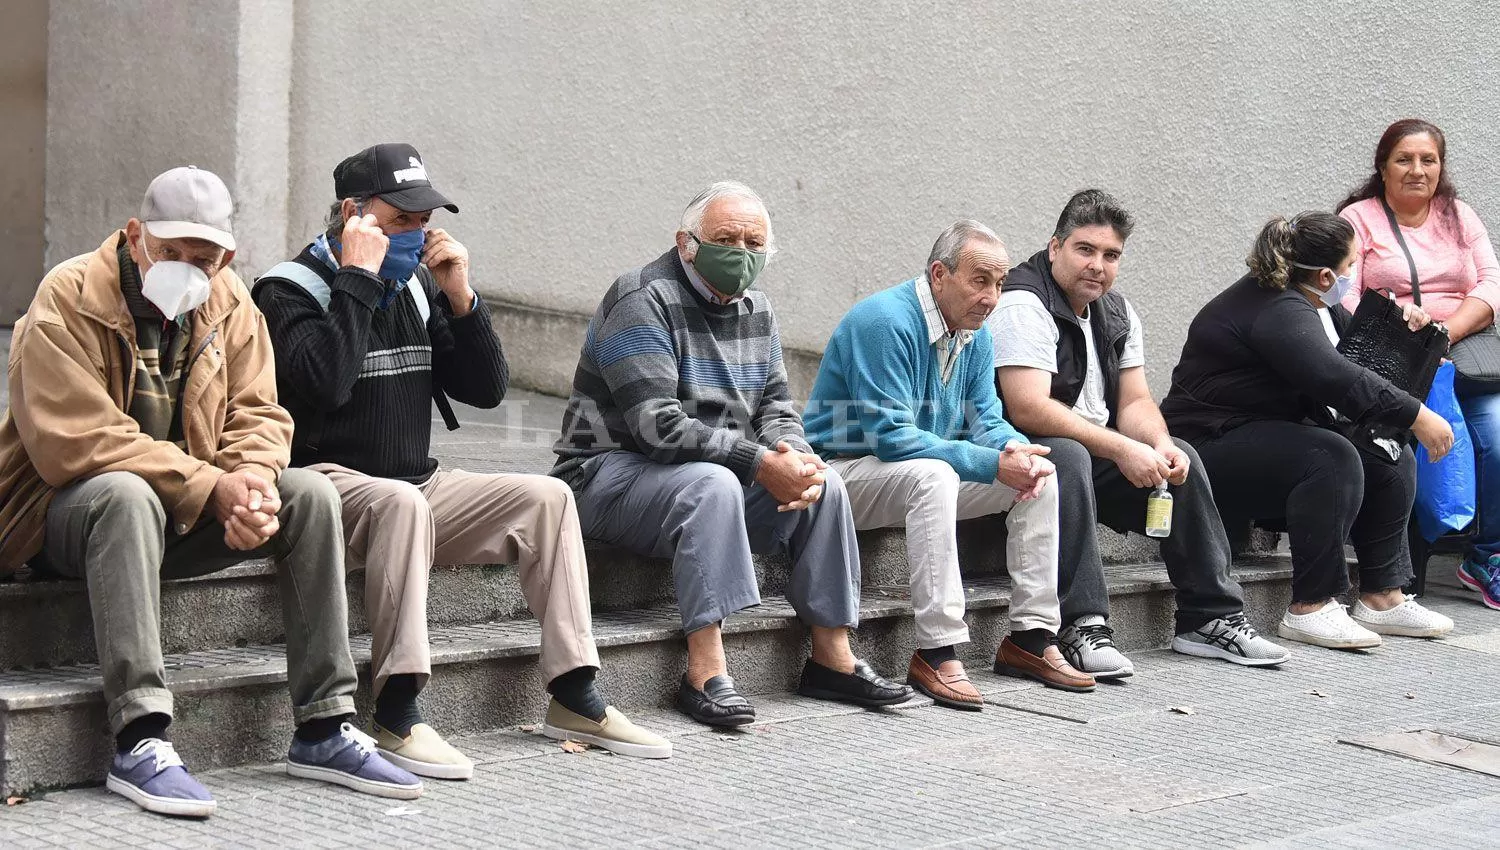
(1327, 491)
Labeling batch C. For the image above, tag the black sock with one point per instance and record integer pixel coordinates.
(937, 655)
(1033, 641)
(146, 726)
(575, 691)
(322, 728)
(396, 708)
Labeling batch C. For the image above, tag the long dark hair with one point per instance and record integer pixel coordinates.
(1318, 239)
(1374, 185)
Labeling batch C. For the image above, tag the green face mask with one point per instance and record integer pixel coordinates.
(730, 271)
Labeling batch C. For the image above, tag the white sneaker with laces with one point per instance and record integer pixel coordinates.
(1328, 626)
(1089, 645)
(1407, 620)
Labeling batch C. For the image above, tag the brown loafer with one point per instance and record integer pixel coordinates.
(947, 685)
(1051, 669)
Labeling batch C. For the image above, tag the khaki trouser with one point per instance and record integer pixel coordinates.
(396, 531)
(927, 498)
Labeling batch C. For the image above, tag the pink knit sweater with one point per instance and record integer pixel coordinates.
(1451, 266)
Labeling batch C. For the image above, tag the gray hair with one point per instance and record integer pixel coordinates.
(692, 217)
(951, 243)
(335, 220)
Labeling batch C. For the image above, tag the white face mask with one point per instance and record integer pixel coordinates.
(1343, 284)
(174, 287)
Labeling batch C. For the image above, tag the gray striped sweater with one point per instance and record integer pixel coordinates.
(669, 375)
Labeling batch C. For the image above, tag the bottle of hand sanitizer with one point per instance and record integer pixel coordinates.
(1159, 512)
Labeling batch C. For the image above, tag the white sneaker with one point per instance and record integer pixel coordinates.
(1231, 638)
(1328, 626)
(1089, 645)
(1407, 620)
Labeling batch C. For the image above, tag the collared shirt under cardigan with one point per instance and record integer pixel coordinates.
(887, 361)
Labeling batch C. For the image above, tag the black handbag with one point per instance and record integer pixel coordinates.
(1378, 339)
(1476, 358)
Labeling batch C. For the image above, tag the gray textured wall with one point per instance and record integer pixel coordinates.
(23, 146)
(573, 134)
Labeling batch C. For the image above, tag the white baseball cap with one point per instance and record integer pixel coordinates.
(189, 203)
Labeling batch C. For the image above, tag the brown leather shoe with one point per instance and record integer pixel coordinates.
(947, 685)
(1051, 669)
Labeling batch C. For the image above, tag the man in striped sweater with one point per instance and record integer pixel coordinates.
(371, 323)
(681, 441)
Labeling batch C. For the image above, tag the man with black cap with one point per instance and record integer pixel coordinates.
(372, 323)
(143, 442)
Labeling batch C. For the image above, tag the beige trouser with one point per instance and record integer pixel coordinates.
(927, 498)
(396, 531)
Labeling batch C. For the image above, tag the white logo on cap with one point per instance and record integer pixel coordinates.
(416, 172)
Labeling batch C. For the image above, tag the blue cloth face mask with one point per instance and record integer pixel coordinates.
(1343, 284)
(403, 255)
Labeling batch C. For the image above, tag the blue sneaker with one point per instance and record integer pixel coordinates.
(152, 776)
(349, 759)
(1484, 578)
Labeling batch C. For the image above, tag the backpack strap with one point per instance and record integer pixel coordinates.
(419, 286)
(309, 280)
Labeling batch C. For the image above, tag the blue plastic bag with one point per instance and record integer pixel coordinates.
(1446, 498)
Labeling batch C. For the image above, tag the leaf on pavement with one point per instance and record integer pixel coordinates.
(1183, 709)
(1318, 693)
(574, 746)
(1411, 696)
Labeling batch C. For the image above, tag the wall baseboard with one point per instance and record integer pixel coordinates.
(542, 346)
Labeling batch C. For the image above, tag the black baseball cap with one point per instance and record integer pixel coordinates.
(393, 172)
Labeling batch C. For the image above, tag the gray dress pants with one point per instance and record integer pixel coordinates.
(111, 531)
(700, 516)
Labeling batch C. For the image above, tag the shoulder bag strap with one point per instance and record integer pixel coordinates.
(1411, 264)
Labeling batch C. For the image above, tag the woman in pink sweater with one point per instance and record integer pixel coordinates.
(1459, 279)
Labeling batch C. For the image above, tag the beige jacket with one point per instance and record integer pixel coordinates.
(72, 373)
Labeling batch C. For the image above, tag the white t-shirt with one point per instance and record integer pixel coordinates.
(1025, 334)
(1326, 318)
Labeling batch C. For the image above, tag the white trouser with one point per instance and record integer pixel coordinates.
(927, 498)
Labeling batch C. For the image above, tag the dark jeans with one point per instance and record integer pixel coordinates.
(1092, 490)
(1328, 492)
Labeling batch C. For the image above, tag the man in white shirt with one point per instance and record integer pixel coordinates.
(1070, 366)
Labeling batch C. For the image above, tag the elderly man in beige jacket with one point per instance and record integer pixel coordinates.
(144, 441)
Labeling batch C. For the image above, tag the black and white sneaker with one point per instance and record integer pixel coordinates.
(1232, 639)
(1089, 645)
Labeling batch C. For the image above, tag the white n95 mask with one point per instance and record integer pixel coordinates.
(174, 287)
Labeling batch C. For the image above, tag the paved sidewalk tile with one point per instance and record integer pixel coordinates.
(1256, 763)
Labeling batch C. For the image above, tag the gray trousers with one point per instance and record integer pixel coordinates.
(1093, 490)
(111, 531)
(700, 516)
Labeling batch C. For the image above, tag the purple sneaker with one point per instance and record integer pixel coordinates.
(152, 776)
(1484, 578)
(349, 759)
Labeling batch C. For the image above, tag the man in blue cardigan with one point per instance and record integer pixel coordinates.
(904, 409)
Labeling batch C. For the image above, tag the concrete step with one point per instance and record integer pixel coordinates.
(47, 622)
(231, 704)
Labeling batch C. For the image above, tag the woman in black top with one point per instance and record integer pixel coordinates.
(1256, 390)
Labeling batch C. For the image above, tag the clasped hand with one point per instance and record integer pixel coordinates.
(795, 479)
(1025, 469)
(247, 506)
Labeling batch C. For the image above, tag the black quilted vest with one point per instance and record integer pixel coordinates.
(1108, 317)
